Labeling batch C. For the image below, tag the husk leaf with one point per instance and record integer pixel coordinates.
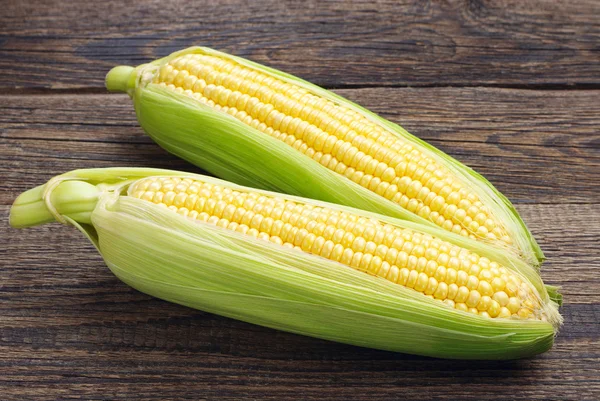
(229, 149)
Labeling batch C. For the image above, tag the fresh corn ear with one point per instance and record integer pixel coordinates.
(301, 265)
(260, 127)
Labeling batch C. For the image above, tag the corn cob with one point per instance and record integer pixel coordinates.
(302, 265)
(257, 126)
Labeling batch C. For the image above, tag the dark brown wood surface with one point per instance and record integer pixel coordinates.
(512, 88)
(55, 44)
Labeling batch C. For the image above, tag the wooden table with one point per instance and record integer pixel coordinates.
(512, 88)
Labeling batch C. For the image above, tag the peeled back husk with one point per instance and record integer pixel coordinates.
(206, 267)
(233, 150)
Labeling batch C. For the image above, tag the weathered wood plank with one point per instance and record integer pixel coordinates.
(52, 44)
(364, 375)
(535, 146)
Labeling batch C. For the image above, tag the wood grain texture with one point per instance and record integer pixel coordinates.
(70, 330)
(52, 44)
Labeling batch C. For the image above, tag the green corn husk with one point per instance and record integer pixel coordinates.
(232, 150)
(203, 266)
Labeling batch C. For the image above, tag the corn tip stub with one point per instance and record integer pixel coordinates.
(260, 127)
(301, 265)
(121, 79)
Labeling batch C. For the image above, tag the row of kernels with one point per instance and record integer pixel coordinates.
(484, 288)
(383, 250)
(388, 172)
(383, 189)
